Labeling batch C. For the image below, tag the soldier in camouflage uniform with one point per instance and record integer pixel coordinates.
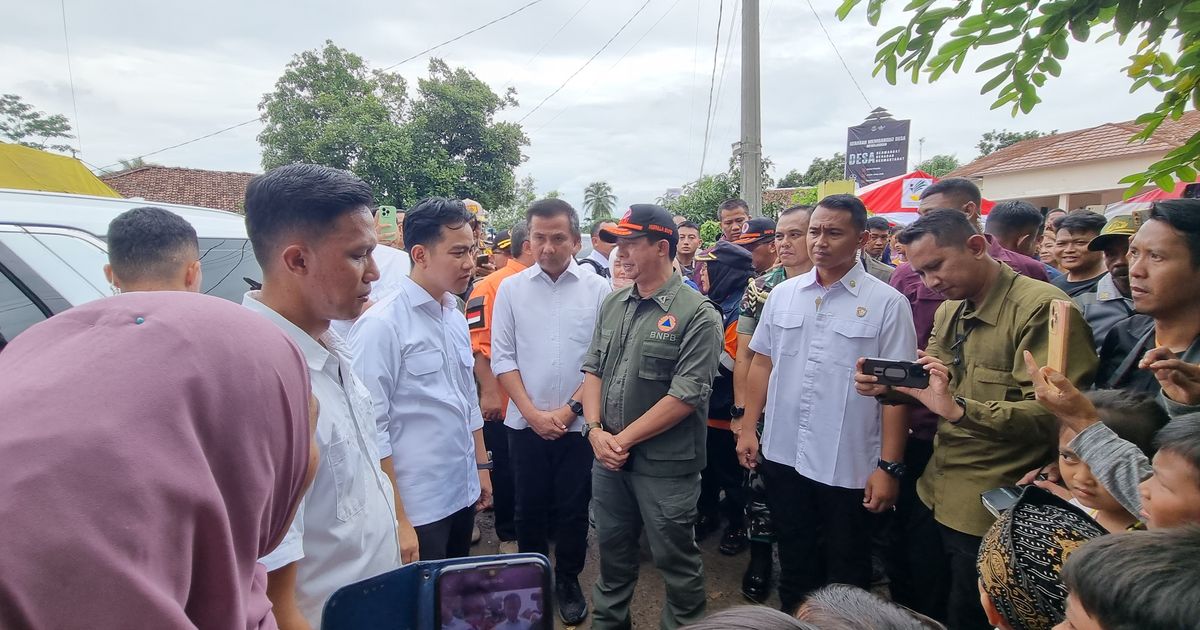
(793, 261)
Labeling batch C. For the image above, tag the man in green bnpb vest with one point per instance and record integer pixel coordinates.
(648, 377)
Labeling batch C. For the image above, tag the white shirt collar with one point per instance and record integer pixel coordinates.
(316, 356)
(418, 296)
(573, 268)
(852, 281)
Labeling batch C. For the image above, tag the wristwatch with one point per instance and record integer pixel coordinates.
(486, 466)
(575, 406)
(894, 469)
(589, 427)
(736, 411)
(961, 402)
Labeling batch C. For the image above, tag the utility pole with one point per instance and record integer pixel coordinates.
(749, 150)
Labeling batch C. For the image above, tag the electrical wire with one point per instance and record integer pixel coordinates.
(729, 41)
(546, 43)
(586, 63)
(839, 55)
(401, 62)
(711, 81)
(71, 77)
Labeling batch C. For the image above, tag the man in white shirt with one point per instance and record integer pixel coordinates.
(394, 265)
(414, 354)
(828, 459)
(542, 324)
(312, 233)
(599, 261)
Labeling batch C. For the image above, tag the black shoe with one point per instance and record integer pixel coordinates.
(572, 607)
(733, 542)
(706, 525)
(756, 583)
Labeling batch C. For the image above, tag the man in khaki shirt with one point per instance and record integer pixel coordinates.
(992, 430)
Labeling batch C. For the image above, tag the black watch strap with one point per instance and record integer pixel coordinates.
(575, 406)
(894, 469)
(736, 411)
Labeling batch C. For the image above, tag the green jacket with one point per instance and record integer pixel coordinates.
(1005, 431)
(645, 349)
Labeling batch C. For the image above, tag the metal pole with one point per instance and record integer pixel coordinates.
(751, 145)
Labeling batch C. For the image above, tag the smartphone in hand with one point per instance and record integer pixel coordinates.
(897, 373)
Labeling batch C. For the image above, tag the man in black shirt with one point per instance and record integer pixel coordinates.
(1083, 267)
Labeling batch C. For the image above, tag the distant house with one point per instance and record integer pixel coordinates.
(1074, 169)
(223, 190)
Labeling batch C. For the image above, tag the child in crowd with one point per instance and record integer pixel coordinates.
(1140, 580)
(1021, 556)
(1133, 417)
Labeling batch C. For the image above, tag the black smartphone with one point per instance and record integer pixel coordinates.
(510, 593)
(897, 373)
(483, 259)
(998, 500)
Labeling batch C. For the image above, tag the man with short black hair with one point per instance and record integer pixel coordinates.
(151, 249)
(597, 261)
(689, 243)
(313, 236)
(831, 457)
(1017, 226)
(878, 232)
(1114, 302)
(544, 318)
(413, 350)
(732, 214)
(991, 430)
(1084, 268)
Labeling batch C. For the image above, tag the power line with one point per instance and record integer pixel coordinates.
(589, 61)
(454, 39)
(692, 91)
(729, 37)
(552, 37)
(71, 77)
(401, 62)
(712, 79)
(839, 55)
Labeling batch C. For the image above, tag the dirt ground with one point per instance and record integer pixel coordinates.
(722, 574)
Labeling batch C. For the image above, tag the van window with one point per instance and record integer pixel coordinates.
(17, 311)
(225, 263)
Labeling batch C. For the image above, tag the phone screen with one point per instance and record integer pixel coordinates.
(493, 595)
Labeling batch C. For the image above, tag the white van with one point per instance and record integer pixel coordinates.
(53, 251)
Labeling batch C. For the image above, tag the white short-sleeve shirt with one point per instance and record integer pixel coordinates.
(815, 421)
(345, 528)
(414, 355)
(542, 328)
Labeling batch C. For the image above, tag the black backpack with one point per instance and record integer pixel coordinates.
(601, 271)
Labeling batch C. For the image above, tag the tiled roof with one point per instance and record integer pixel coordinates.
(782, 196)
(1102, 142)
(223, 190)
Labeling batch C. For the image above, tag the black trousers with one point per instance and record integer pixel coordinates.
(723, 473)
(495, 438)
(947, 575)
(449, 537)
(553, 477)
(823, 532)
(899, 556)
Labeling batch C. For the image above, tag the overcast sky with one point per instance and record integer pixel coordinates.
(149, 75)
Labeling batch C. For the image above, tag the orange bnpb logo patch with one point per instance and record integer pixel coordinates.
(667, 323)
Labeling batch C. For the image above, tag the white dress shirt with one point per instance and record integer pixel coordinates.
(542, 328)
(345, 528)
(600, 259)
(393, 264)
(414, 355)
(815, 421)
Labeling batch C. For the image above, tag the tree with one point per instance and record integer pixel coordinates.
(993, 140)
(1031, 38)
(598, 201)
(939, 165)
(553, 194)
(820, 170)
(513, 212)
(698, 200)
(20, 123)
(793, 179)
(329, 108)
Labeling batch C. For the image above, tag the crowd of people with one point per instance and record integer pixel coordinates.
(174, 460)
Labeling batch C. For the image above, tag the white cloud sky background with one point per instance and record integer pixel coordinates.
(153, 74)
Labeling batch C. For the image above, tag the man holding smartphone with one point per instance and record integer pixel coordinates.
(991, 429)
(830, 457)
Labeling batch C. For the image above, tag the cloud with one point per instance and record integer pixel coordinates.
(152, 74)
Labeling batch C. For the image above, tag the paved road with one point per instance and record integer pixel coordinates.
(723, 577)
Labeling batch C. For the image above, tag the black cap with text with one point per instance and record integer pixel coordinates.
(643, 219)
